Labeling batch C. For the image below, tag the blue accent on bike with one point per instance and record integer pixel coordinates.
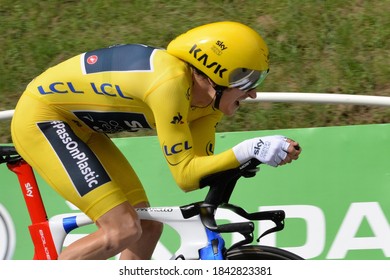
(215, 248)
(69, 223)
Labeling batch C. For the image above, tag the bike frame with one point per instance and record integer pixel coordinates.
(200, 236)
(44, 245)
(48, 235)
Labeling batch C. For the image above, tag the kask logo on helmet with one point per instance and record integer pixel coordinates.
(203, 57)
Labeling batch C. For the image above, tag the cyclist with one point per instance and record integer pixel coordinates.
(61, 122)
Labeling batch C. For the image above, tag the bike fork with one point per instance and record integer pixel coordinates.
(44, 248)
(215, 248)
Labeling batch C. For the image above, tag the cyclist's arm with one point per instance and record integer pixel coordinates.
(203, 134)
(182, 143)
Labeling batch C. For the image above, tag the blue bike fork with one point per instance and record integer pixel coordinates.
(215, 247)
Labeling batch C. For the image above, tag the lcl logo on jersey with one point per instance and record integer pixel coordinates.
(209, 149)
(106, 89)
(176, 148)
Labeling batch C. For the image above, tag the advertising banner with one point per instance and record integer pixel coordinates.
(336, 196)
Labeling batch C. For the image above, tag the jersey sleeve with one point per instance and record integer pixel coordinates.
(187, 147)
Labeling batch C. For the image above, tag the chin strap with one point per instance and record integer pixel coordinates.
(218, 94)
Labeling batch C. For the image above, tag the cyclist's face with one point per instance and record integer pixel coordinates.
(231, 99)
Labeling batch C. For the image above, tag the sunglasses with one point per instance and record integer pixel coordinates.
(250, 81)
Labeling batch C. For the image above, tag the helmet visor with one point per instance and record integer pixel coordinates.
(245, 79)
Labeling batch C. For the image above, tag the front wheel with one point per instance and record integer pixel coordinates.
(260, 252)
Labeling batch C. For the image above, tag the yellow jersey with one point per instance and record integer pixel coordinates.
(133, 87)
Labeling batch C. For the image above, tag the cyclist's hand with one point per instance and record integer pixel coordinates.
(272, 150)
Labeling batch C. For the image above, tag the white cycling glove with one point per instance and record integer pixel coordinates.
(270, 150)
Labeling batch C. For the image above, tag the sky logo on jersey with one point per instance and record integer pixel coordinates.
(113, 122)
(81, 164)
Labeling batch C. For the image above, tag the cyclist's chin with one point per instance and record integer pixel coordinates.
(233, 109)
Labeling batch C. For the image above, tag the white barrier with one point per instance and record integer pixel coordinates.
(4, 115)
(327, 98)
(291, 97)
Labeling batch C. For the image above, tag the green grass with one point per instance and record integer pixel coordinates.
(323, 46)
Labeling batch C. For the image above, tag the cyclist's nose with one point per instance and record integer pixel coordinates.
(252, 93)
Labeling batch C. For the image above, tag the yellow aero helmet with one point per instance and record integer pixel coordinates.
(231, 54)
